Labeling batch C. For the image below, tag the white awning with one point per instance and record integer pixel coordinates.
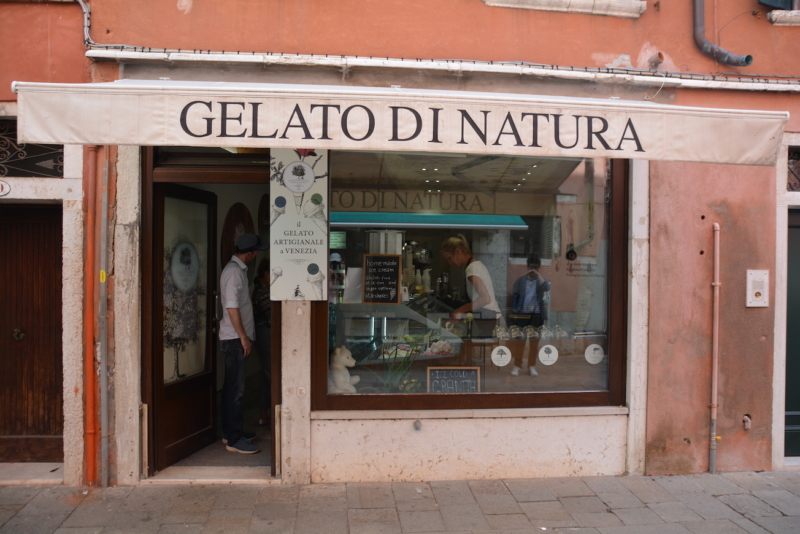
(224, 114)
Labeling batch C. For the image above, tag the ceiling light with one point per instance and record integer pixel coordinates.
(424, 169)
(524, 178)
(435, 169)
(534, 166)
(437, 181)
(426, 181)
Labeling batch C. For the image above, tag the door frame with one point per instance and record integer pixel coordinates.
(152, 175)
(785, 200)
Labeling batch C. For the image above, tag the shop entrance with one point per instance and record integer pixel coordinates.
(193, 215)
(792, 443)
(31, 412)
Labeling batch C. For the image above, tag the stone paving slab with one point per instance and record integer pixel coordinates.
(733, 503)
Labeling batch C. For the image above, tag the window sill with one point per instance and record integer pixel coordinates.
(344, 415)
(612, 8)
(784, 18)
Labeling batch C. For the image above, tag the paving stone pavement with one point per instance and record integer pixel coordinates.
(730, 503)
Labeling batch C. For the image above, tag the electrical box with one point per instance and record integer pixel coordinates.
(757, 288)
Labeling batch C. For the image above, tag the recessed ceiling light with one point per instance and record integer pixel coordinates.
(528, 173)
(534, 166)
(435, 169)
(426, 181)
(519, 184)
(515, 189)
(424, 169)
(437, 181)
(438, 190)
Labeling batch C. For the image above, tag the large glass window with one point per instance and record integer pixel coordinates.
(462, 275)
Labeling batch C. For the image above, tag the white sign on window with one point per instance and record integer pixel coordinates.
(298, 224)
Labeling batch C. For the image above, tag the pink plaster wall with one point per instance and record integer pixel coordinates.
(452, 29)
(742, 201)
(41, 43)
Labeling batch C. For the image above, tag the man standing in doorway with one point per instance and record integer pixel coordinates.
(236, 335)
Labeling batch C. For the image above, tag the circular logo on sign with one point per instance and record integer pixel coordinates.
(298, 177)
(548, 355)
(5, 188)
(594, 354)
(501, 356)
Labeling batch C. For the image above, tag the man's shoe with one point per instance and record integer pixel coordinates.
(533, 371)
(249, 436)
(242, 446)
(515, 371)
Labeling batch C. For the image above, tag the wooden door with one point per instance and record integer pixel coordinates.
(31, 402)
(183, 351)
(792, 437)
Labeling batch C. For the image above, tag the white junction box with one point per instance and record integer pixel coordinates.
(757, 288)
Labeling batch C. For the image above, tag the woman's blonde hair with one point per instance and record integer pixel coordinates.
(451, 244)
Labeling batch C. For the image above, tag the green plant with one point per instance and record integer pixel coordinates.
(394, 370)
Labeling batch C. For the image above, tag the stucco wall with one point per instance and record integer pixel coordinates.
(41, 42)
(489, 447)
(685, 201)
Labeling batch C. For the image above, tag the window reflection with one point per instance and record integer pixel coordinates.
(518, 304)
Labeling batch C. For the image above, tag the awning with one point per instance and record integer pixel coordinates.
(173, 113)
(427, 220)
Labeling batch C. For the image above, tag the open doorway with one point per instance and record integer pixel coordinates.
(193, 217)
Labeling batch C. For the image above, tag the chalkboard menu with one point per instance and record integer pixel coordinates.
(454, 379)
(381, 279)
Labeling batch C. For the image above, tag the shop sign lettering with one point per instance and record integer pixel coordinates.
(408, 201)
(422, 125)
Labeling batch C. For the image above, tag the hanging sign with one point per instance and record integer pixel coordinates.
(298, 224)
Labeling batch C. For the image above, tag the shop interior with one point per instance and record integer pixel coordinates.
(405, 205)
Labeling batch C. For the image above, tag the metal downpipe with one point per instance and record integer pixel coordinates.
(710, 49)
(103, 320)
(712, 452)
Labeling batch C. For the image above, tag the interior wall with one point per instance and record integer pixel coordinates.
(228, 195)
(686, 199)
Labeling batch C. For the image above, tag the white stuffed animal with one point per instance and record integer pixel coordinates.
(339, 379)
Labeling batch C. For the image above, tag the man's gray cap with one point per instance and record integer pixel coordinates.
(249, 243)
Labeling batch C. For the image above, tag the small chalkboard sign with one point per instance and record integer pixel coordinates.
(381, 283)
(454, 379)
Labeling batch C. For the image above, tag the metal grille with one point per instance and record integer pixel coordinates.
(28, 160)
(793, 176)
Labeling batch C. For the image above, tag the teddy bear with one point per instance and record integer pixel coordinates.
(339, 379)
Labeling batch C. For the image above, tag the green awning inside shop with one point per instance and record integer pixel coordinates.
(427, 220)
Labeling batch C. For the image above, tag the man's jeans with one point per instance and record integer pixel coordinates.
(233, 390)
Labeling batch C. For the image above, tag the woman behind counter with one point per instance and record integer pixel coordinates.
(479, 284)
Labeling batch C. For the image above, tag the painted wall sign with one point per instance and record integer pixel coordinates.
(454, 379)
(299, 224)
(381, 283)
(144, 112)
(5, 188)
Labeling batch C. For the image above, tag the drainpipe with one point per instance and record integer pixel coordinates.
(710, 49)
(89, 376)
(712, 453)
(103, 322)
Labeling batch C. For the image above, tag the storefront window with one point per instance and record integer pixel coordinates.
(468, 274)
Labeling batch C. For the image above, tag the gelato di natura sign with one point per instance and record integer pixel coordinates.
(475, 128)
